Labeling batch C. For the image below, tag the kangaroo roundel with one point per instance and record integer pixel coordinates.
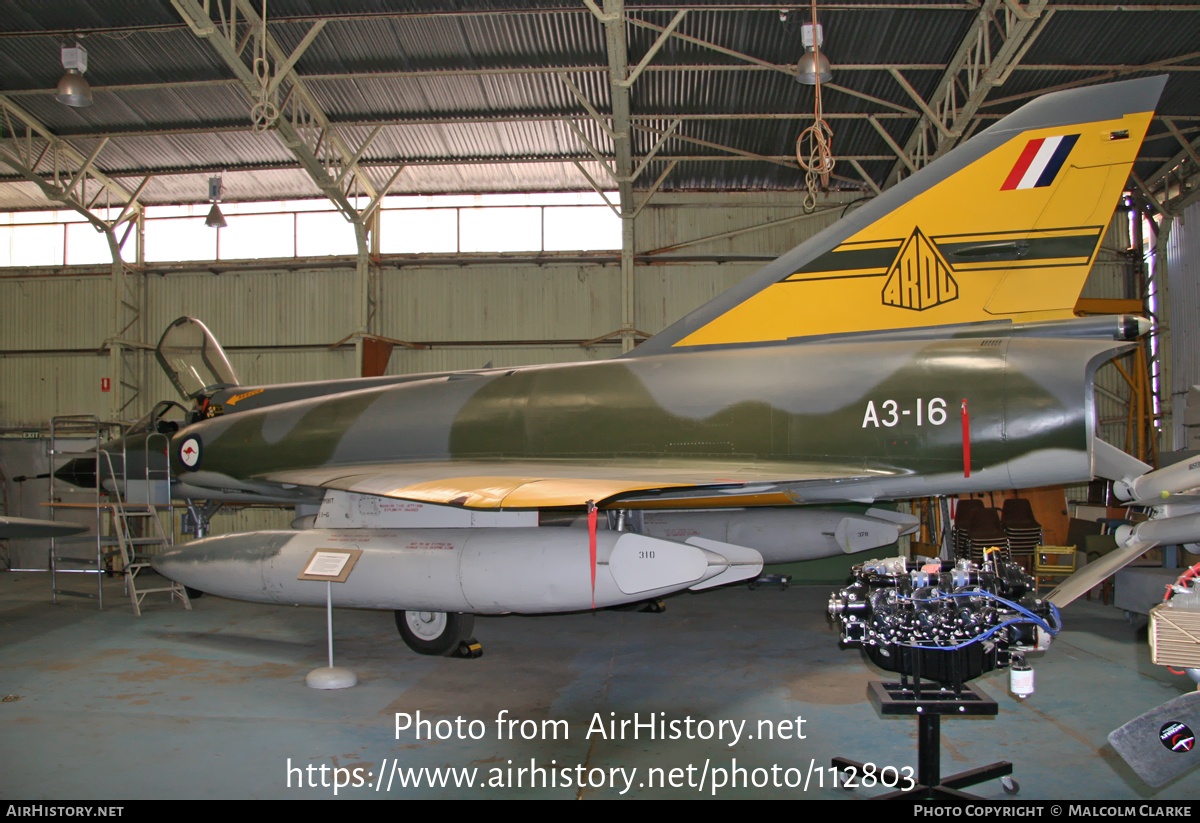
(189, 452)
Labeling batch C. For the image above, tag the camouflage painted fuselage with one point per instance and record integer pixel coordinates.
(777, 424)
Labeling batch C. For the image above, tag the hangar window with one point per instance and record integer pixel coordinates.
(418, 231)
(442, 224)
(51, 238)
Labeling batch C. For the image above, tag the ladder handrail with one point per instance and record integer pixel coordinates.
(168, 538)
(76, 424)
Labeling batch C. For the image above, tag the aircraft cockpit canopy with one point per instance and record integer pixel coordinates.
(194, 360)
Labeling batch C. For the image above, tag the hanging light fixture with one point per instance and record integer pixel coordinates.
(73, 90)
(814, 146)
(814, 66)
(215, 219)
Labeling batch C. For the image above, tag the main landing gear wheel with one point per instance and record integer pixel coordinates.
(436, 633)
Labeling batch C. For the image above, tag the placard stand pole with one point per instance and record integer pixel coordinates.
(330, 677)
(329, 618)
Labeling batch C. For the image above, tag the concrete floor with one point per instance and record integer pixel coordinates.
(212, 703)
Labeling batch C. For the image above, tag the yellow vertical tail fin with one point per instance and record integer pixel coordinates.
(1006, 226)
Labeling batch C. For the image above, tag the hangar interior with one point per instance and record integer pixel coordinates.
(415, 187)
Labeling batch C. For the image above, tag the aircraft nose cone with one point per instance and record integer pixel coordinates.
(228, 565)
(80, 471)
(176, 565)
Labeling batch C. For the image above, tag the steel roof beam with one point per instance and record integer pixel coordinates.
(687, 38)
(671, 7)
(788, 68)
(1161, 172)
(52, 144)
(556, 118)
(653, 50)
(1120, 71)
(295, 132)
(972, 73)
(613, 19)
(780, 159)
(748, 154)
(1187, 147)
(599, 119)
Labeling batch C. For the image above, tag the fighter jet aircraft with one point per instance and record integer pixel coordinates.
(923, 345)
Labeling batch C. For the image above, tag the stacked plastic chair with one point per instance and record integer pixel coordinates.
(1024, 533)
(962, 514)
(981, 531)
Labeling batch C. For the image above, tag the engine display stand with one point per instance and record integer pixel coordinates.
(929, 702)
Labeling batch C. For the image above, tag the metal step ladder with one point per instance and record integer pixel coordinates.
(136, 550)
(134, 544)
(134, 558)
(75, 427)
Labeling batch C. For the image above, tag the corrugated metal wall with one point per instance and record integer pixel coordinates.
(55, 312)
(681, 218)
(271, 308)
(1183, 276)
(499, 303)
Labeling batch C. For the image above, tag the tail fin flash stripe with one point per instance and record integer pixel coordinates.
(1040, 162)
(1045, 153)
(1066, 143)
(1018, 171)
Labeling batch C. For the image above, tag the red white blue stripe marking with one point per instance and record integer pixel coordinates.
(1040, 162)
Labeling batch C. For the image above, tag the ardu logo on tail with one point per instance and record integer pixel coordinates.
(1040, 162)
(920, 277)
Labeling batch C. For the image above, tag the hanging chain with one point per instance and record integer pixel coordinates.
(814, 146)
(264, 113)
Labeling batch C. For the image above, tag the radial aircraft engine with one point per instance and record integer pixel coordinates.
(923, 345)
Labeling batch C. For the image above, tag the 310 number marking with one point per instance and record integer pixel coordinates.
(932, 412)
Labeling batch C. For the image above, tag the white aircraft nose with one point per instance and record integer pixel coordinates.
(171, 565)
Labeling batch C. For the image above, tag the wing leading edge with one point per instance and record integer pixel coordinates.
(539, 484)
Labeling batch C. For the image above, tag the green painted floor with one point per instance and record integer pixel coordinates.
(212, 703)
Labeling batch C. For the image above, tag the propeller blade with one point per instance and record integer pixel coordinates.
(1093, 574)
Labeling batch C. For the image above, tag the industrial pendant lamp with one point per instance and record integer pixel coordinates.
(813, 66)
(215, 219)
(73, 90)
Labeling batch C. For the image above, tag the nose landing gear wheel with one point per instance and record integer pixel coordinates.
(435, 633)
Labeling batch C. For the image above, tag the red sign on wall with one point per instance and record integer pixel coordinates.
(105, 384)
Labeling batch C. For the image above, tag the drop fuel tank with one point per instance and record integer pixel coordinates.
(477, 571)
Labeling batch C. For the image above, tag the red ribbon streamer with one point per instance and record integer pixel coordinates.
(592, 546)
(966, 420)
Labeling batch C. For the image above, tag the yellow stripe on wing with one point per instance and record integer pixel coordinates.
(519, 492)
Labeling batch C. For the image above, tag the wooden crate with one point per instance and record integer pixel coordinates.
(1175, 637)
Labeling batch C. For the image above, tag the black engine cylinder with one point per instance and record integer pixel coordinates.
(942, 621)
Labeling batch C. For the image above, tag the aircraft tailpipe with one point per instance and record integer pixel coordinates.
(1114, 327)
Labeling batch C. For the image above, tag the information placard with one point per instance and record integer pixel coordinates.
(333, 565)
